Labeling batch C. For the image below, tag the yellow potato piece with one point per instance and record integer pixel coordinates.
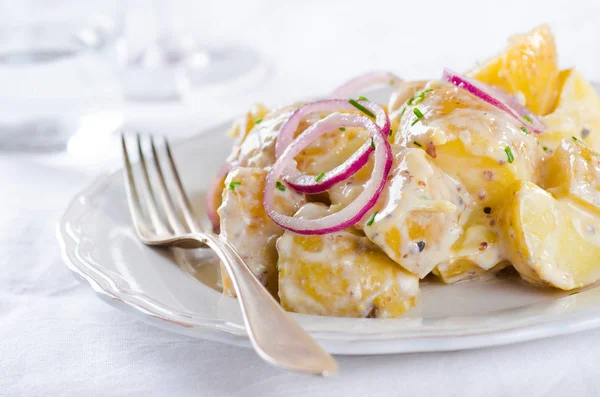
(577, 113)
(247, 227)
(341, 274)
(468, 139)
(573, 171)
(420, 214)
(549, 241)
(477, 252)
(526, 68)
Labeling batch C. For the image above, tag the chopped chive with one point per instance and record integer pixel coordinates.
(574, 138)
(342, 129)
(371, 219)
(509, 154)
(391, 132)
(372, 143)
(280, 186)
(417, 144)
(232, 185)
(527, 118)
(403, 110)
(419, 115)
(363, 98)
(524, 130)
(361, 108)
(418, 100)
(410, 101)
(545, 148)
(319, 177)
(257, 121)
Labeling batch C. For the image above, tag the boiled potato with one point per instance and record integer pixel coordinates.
(577, 113)
(248, 228)
(483, 149)
(419, 215)
(527, 68)
(573, 171)
(477, 252)
(341, 274)
(550, 241)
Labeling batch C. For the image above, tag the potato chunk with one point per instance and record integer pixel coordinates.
(419, 215)
(574, 171)
(246, 225)
(470, 140)
(341, 274)
(549, 241)
(577, 113)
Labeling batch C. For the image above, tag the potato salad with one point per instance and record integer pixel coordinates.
(341, 206)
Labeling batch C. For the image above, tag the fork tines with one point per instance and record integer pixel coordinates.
(151, 217)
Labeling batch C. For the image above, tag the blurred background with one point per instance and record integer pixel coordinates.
(74, 72)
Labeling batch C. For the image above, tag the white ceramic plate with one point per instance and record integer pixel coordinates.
(100, 246)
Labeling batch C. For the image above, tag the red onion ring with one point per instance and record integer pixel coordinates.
(286, 134)
(496, 98)
(363, 82)
(307, 183)
(213, 189)
(352, 213)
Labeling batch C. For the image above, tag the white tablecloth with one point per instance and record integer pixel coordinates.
(58, 339)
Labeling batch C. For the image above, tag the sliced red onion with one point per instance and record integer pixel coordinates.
(496, 98)
(352, 213)
(288, 130)
(364, 82)
(213, 189)
(308, 183)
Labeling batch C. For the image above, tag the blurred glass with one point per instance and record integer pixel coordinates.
(178, 63)
(59, 72)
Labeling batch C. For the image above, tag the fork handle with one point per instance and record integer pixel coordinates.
(277, 338)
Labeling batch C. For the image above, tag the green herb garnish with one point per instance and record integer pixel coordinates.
(372, 143)
(371, 219)
(575, 139)
(403, 110)
(527, 118)
(417, 144)
(363, 98)
(509, 154)
(342, 129)
(524, 130)
(280, 186)
(257, 121)
(419, 115)
(361, 108)
(545, 148)
(319, 177)
(392, 82)
(232, 185)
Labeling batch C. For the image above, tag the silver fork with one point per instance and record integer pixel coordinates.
(276, 338)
